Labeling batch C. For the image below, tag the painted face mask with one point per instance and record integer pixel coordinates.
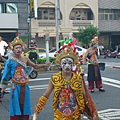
(17, 49)
(67, 64)
(96, 45)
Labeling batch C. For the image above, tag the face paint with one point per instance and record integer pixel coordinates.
(17, 49)
(67, 64)
(96, 45)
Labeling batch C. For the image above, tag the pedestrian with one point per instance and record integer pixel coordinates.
(33, 52)
(2, 59)
(3, 45)
(94, 75)
(101, 47)
(16, 69)
(69, 98)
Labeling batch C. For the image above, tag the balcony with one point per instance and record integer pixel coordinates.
(8, 21)
(82, 22)
(46, 22)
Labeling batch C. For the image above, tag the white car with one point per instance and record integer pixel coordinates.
(80, 50)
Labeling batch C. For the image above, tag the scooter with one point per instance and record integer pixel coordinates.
(118, 55)
(33, 72)
(110, 54)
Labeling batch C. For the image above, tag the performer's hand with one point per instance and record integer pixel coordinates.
(47, 63)
(95, 118)
(13, 87)
(35, 115)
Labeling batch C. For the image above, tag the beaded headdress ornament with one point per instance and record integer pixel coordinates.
(67, 50)
(94, 40)
(17, 41)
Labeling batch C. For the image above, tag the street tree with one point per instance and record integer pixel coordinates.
(85, 34)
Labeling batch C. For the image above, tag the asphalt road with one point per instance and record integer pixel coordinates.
(108, 103)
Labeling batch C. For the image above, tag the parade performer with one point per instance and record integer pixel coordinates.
(94, 75)
(70, 98)
(16, 69)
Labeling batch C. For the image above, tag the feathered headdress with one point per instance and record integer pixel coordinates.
(68, 50)
(94, 40)
(17, 41)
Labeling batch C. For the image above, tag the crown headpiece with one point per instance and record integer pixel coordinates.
(17, 41)
(68, 50)
(94, 40)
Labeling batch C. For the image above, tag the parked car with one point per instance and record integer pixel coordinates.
(80, 50)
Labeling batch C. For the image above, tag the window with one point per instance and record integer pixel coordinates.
(41, 50)
(8, 8)
(79, 49)
(109, 14)
(11, 8)
(46, 13)
(1, 8)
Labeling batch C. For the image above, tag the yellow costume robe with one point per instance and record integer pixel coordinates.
(75, 83)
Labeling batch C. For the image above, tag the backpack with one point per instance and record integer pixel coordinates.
(33, 55)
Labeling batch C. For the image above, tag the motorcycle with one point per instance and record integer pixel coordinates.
(33, 72)
(118, 55)
(110, 54)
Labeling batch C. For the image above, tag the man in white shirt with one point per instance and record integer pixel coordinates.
(3, 45)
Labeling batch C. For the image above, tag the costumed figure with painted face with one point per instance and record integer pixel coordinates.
(17, 71)
(70, 99)
(94, 75)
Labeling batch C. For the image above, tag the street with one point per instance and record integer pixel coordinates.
(107, 103)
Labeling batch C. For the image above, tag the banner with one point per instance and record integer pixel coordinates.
(32, 8)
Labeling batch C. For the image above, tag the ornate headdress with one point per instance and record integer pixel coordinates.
(94, 40)
(68, 50)
(17, 41)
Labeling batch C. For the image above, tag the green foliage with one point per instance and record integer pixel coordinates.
(43, 60)
(24, 38)
(85, 35)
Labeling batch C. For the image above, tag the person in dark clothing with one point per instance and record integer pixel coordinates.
(93, 67)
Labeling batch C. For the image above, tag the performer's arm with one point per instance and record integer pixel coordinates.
(2, 58)
(43, 100)
(37, 66)
(85, 56)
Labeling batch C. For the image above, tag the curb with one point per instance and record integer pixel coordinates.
(118, 67)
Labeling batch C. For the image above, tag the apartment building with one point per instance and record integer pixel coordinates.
(109, 22)
(13, 18)
(74, 14)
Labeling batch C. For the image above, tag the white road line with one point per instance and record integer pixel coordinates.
(106, 81)
(39, 79)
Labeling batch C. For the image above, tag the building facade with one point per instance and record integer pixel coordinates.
(74, 14)
(109, 22)
(13, 19)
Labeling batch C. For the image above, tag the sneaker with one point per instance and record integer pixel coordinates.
(102, 90)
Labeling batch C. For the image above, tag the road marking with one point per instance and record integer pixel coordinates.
(110, 82)
(108, 114)
(39, 79)
(106, 81)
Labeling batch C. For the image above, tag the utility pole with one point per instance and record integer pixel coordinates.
(46, 37)
(57, 18)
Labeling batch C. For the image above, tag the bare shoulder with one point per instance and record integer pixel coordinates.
(24, 58)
